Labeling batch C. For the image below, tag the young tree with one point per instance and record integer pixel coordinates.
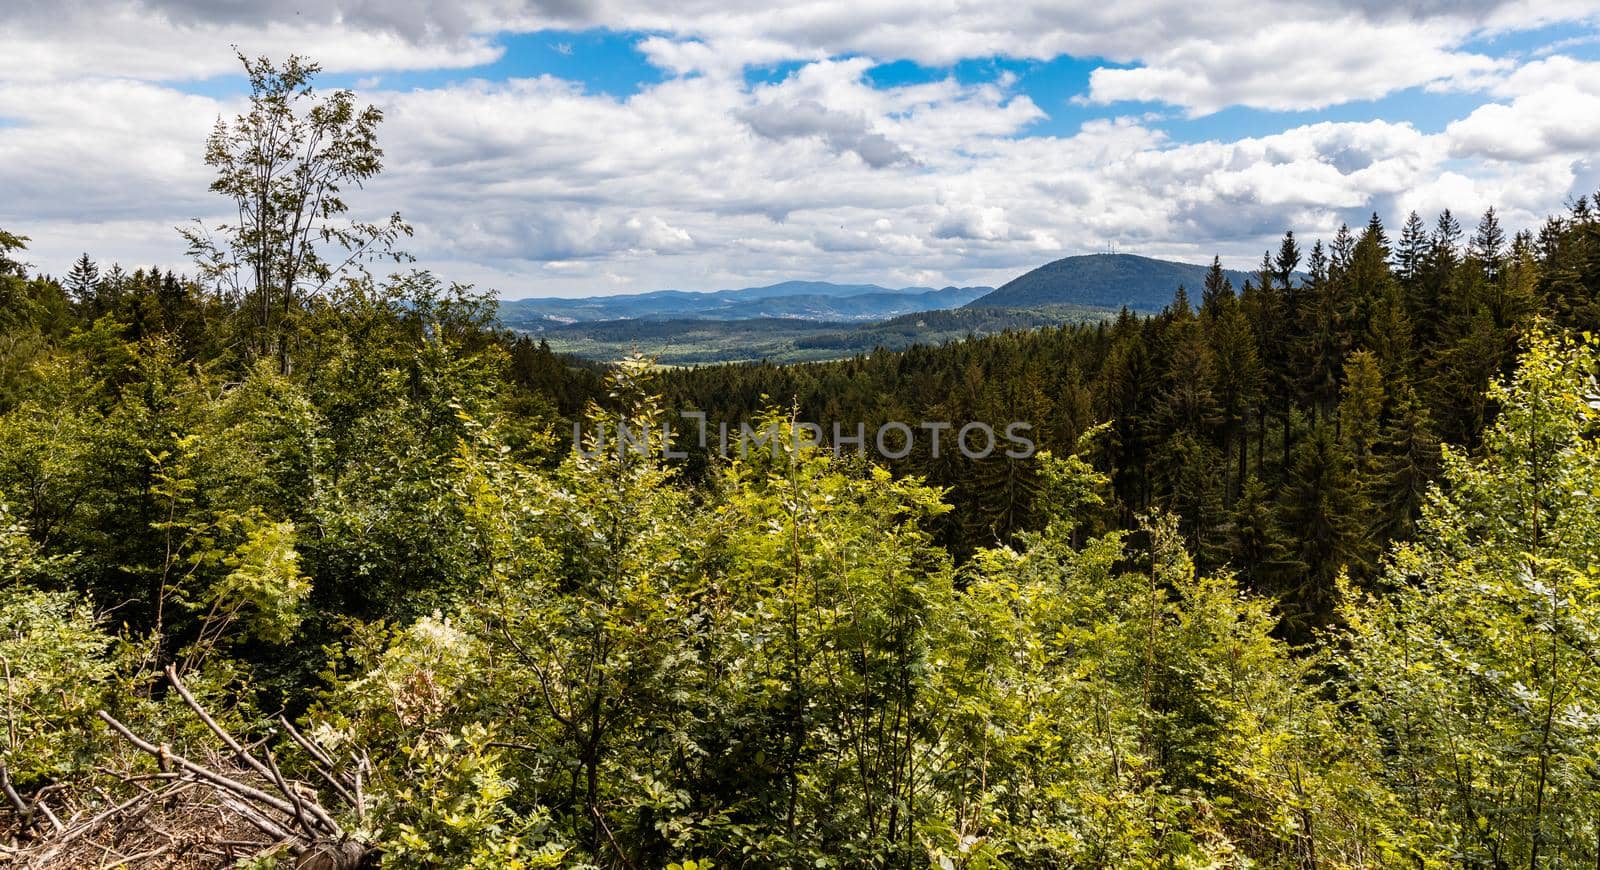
(284, 165)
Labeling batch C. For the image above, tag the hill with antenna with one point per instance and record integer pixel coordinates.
(1143, 284)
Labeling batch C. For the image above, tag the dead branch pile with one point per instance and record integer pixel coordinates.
(196, 813)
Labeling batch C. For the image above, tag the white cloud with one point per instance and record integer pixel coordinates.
(42, 41)
(1296, 64)
(1266, 53)
(1554, 110)
(840, 131)
(536, 186)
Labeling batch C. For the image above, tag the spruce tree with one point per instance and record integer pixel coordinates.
(1259, 549)
(1361, 409)
(1238, 379)
(1216, 287)
(1488, 243)
(1288, 259)
(83, 279)
(1412, 253)
(1407, 461)
(1326, 334)
(1323, 513)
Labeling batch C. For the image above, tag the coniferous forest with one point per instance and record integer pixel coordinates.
(299, 566)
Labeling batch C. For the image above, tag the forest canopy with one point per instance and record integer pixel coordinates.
(298, 567)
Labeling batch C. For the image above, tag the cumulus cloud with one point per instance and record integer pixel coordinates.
(840, 131)
(1265, 53)
(1554, 110)
(1296, 64)
(49, 41)
(973, 222)
(538, 185)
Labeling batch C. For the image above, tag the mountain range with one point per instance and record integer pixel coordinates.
(799, 320)
(803, 300)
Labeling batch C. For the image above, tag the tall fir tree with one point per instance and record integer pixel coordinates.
(83, 280)
(1488, 244)
(1322, 512)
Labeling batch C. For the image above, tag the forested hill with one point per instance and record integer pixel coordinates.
(1112, 281)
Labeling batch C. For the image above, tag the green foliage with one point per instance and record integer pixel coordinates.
(55, 660)
(1242, 611)
(448, 809)
(57, 666)
(1115, 718)
(1477, 665)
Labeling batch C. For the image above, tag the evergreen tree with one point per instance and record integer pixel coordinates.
(1238, 380)
(1216, 287)
(1323, 514)
(83, 280)
(1260, 550)
(1407, 462)
(1288, 260)
(1327, 334)
(1361, 409)
(1488, 244)
(1412, 253)
(1569, 275)
(1476, 665)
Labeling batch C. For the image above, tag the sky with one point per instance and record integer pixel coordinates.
(582, 147)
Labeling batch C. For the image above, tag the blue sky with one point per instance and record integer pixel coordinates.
(572, 147)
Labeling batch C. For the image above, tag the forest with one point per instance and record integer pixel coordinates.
(299, 566)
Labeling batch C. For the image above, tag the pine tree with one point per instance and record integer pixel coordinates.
(1322, 354)
(1477, 664)
(1369, 275)
(1125, 398)
(1268, 310)
(1186, 402)
(1569, 280)
(1362, 406)
(1238, 382)
(1260, 550)
(1445, 243)
(1341, 251)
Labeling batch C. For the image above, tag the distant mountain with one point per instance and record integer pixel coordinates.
(1104, 281)
(806, 320)
(789, 339)
(803, 300)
